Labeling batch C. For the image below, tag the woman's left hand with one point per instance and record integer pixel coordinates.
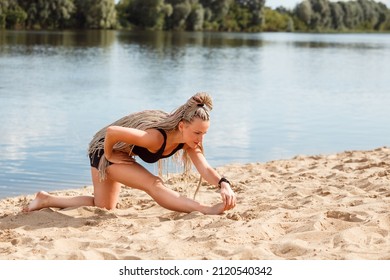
(228, 196)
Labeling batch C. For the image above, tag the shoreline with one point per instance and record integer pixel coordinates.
(325, 207)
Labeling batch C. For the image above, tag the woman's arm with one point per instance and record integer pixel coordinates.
(212, 176)
(150, 139)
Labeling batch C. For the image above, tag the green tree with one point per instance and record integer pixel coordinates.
(47, 14)
(247, 14)
(276, 21)
(96, 14)
(353, 14)
(123, 9)
(321, 19)
(304, 12)
(146, 14)
(4, 4)
(240, 18)
(383, 18)
(323, 15)
(234, 15)
(337, 14)
(256, 6)
(220, 9)
(181, 11)
(386, 22)
(374, 14)
(149, 13)
(11, 14)
(195, 19)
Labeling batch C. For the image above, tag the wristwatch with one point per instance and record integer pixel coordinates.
(223, 179)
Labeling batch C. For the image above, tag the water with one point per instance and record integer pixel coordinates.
(276, 95)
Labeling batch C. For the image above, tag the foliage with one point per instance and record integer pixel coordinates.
(47, 14)
(277, 21)
(196, 15)
(11, 14)
(360, 15)
(57, 14)
(149, 14)
(95, 14)
(180, 14)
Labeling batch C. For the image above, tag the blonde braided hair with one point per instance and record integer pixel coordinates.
(198, 106)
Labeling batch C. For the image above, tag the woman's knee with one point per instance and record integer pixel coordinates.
(154, 185)
(106, 204)
(157, 182)
(106, 192)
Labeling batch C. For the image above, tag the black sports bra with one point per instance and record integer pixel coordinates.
(150, 157)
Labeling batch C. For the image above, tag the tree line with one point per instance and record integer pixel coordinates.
(195, 15)
(58, 14)
(360, 15)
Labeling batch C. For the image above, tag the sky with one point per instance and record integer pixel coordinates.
(291, 3)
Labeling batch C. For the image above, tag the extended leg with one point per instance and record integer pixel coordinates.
(136, 176)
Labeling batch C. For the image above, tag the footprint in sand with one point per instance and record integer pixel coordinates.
(144, 204)
(344, 216)
(290, 249)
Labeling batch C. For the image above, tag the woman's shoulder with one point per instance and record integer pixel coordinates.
(154, 138)
(155, 132)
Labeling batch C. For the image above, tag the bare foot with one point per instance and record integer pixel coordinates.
(215, 209)
(39, 202)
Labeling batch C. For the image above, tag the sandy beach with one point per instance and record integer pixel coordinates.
(324, 207)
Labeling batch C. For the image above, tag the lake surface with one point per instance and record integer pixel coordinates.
(276, 95)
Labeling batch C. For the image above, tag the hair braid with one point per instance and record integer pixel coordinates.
(198, 106)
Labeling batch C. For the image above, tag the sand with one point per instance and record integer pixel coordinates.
(321, 207)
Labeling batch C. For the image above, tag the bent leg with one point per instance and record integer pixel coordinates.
(106, 193)
(138, 177)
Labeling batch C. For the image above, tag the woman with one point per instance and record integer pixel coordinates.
(151, 135)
